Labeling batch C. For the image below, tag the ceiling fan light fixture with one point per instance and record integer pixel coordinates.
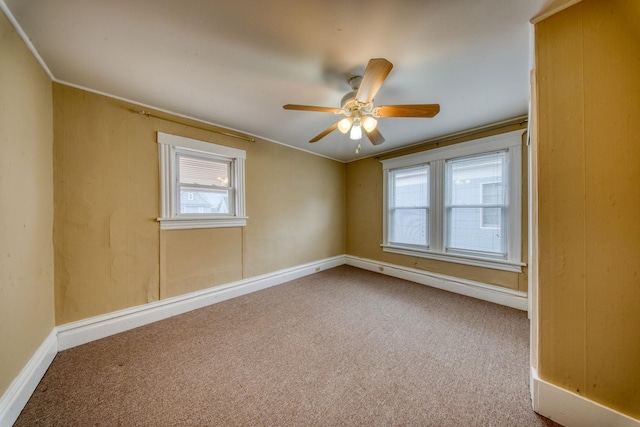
(358, 109)
(369, 123)
(345, 124)
(356, 131)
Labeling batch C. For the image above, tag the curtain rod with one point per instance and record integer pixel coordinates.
(447, 138)
(220, 132)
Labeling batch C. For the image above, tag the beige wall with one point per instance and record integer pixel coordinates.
(110, 252)
(588, 68)
(364, 224)
(26, 205)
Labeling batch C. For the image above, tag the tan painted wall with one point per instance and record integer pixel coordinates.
(588, 68)
(106, 201)
(110, 252)
(298, 208)
(364, 224)
(26, 205)
(194, 259)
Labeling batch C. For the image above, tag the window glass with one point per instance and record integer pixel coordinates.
(474, 204)
(409, 211)
(204, 185)
(491, 194)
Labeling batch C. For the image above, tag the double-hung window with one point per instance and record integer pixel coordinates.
(409, 206)
(475, 206)
(460, 203)
(201, 184)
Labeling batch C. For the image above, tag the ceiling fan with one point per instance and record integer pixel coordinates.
(357, 105)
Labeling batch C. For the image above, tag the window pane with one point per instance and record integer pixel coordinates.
(193, 170)
(466, 179)
(204, 201)
(491, 217)
(467, 234)
(492, 193)
(203, 185)
(409, 226)
(409, 203)
(410, 187)
(475, 204)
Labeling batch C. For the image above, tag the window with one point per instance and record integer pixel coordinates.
(202, 184)
(460, 203)
(465, 206)
(409, 206)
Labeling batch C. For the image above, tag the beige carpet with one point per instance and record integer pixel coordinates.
(344, 347)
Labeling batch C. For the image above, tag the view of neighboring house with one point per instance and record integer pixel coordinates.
(202, 201)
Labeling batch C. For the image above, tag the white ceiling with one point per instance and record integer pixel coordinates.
(235, 63)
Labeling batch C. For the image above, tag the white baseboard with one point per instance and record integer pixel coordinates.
(76, 333)
(23, 386)
(495, 294)
(549, 400)
(87, 330)
(570, 409)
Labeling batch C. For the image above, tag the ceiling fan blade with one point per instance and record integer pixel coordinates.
(312, 108)
(377, 71)
(325, 132)
(374, 136)
(410, 110)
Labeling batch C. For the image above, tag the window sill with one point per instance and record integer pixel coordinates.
(496, 264)
(207, 222)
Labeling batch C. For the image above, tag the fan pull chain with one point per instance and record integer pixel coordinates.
(358, 149)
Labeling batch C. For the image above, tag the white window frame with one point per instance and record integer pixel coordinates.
(512, 143)
(170, 217)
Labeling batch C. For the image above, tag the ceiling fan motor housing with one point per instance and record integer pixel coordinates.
(354, 82)
(349, 103)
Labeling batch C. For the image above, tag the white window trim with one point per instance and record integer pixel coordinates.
(511, 141)
(169, 216)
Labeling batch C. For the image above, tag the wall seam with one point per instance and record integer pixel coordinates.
(585, 375)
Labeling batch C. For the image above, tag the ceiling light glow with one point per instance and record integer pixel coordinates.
(369, 123)
(345, 124)
(356, 131)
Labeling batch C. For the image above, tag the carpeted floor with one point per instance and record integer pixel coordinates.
(343, 347)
